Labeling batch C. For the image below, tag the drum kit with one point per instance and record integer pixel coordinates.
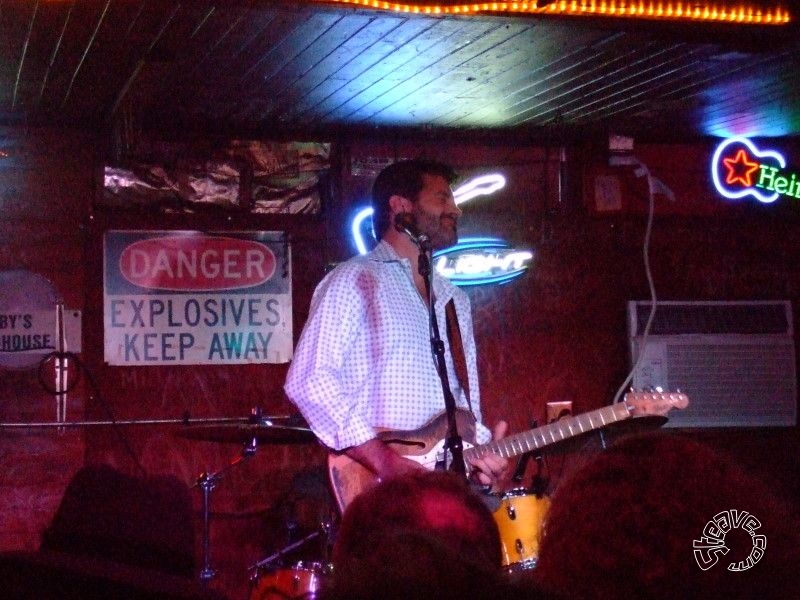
(520, 518)
(522, 511)
(520, 514)
(270, 579)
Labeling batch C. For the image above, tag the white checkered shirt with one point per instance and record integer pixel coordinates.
(364, 358)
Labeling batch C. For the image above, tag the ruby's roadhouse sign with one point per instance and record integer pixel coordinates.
(188, 297)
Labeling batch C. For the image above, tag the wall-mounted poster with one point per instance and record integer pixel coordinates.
(288, 178)
(249, 176)
(190, 297)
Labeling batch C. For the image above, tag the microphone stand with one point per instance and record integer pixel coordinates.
(453, 442)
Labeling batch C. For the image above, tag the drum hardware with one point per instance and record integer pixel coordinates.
(324, 531)
(520, 520)
(194, 426)
(273, 559)
(538, 482)
(522, 466)
(521, 513)
(258, 429)
(270, 580)
(207, 482)
(249, 432)
(301, 580)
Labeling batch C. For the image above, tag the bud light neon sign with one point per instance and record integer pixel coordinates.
(480, 261)
(472, 261)
(740, 169)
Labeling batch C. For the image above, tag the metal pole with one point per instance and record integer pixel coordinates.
(206, 483)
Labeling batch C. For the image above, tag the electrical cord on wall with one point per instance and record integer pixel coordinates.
(94, 389)
(642, 170)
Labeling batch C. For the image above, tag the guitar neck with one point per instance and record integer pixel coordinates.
(563, 429)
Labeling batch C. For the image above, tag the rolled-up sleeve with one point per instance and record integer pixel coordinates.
(315, 382)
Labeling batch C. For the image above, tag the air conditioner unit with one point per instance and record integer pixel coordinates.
(735, 360)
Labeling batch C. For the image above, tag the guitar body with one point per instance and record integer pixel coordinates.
(424, 445)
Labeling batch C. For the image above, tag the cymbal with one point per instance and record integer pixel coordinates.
(244, 433)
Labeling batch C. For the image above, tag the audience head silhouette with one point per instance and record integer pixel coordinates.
(624, 526)
(113, 536)
(424, 535)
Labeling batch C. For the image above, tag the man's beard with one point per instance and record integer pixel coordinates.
(441, 230)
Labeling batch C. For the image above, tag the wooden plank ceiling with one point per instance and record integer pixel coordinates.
(270, 68)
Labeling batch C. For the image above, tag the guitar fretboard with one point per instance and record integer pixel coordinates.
(557, 431)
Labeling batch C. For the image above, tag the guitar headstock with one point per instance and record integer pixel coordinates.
(654, 403)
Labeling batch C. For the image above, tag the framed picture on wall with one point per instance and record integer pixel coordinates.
(244, 176)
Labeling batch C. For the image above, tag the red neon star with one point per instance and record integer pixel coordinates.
(739, 169)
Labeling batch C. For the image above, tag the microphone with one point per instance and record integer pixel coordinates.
(404, 223)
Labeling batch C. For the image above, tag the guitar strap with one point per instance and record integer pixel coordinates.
(457, 350)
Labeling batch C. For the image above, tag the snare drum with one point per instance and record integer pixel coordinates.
(303, 580)
(520, 518)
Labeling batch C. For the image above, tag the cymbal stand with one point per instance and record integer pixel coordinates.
(207, 482)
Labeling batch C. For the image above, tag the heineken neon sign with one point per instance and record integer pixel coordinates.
(740, 169)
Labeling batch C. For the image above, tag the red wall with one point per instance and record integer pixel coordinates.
(46, 181)
(556, 333)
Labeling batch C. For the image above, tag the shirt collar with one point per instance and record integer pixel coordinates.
(385, 253)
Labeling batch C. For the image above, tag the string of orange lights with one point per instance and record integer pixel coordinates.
(744, 14)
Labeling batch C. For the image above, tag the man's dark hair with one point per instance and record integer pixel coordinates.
(623, 526)
(403, 178)
(405, 503)
(421, 535)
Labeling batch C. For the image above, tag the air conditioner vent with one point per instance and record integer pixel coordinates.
(735, 360)
(673, 318)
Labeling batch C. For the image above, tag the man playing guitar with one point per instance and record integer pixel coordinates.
(363, 363)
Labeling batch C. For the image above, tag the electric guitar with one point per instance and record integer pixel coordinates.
(426, 445)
